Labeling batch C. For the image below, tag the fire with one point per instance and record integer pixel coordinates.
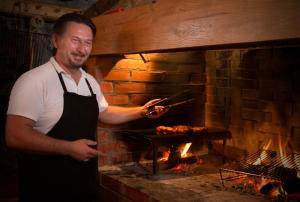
(282, 145)
(185, 150)
(180, 167)
(263, 154)
(270, 186)
(272, 173)
(165, 156)
(262, 185)
(288, 161)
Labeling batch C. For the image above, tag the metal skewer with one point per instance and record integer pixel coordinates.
(171, 105)
(167, 98)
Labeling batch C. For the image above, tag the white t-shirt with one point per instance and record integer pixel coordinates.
(38, 94)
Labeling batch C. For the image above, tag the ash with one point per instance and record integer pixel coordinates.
(196, 182)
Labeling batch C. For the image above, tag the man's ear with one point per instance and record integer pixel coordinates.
(54, 39)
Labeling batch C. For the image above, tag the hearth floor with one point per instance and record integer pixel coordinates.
(201, 185)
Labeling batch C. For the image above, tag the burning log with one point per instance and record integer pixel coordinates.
(175, 156)
(291, 182)
(268, 188)
(284, 173)
(275, 190)
(189, 160)
(178, 157)
(292, 186)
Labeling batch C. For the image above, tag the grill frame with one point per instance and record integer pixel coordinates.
(269, 161)
(157, 141)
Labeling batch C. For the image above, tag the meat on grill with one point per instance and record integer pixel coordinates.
(179, 129)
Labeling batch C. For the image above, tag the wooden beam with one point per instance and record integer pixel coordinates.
(100, 7)
(34, 8)
(170, 24)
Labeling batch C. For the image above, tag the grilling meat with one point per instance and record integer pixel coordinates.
(177, 130)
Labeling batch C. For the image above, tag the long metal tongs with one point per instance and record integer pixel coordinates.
(149, 107)
(178, 103)
(168, 98)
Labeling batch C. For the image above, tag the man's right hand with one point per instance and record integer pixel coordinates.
(20, 135)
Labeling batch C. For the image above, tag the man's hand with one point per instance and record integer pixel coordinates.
(155, 111)
(82, 149)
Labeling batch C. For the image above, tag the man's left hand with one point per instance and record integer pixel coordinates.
(155, 111)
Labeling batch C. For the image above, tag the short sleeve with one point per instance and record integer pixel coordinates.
(102, 103)
(26, 98)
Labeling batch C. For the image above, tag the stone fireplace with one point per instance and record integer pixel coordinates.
(252, 92)
(239, 59)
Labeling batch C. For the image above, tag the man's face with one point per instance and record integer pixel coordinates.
(74, 45)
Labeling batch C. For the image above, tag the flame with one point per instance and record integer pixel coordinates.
(253, 184)
(165, 156)
(266, 147)
(287, 161)
(180, 167)
(282, 150)
(185, 150)
(263, 154)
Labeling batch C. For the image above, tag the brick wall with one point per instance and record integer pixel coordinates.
(129, 81)
(256, 94)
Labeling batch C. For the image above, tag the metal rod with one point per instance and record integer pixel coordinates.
(155, 166)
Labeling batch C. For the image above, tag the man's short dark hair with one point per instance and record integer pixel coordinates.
(61, 23)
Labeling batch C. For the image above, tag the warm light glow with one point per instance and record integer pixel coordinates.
(179, 167)
(266, 147)
(183, 152)
(185, 149)
(285, 161)
(133, 56)
(165, 156)
(263, 154)
(282, 151)
(140, 56)
(256, 184)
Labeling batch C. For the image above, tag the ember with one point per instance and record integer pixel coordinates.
(188, 167)
(179, 159)
(175, 153)
(165, 156)
(265, 173)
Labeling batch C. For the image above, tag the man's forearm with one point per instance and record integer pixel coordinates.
(118, 115)
(25, 138)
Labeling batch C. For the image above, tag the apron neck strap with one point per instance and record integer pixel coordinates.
(87, 82)
(62, 81)
(60, 78)
(64, 85)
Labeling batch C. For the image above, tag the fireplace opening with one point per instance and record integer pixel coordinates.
(168, 151)
(253, 93)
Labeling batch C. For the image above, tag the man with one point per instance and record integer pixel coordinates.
(52, 119)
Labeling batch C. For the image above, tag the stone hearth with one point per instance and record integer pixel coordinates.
(130, 182)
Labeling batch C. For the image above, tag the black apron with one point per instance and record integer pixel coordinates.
(59, 178)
